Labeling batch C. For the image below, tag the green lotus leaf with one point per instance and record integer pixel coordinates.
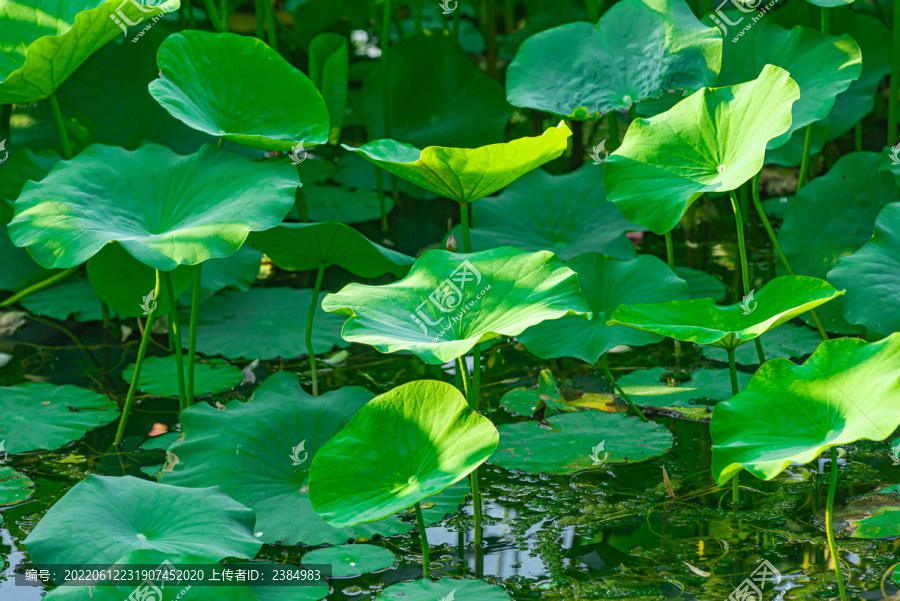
(263, 323)
(701, 284)
(640, 49)
(846, 391)
(728, 327)
(237, 272)
(47, 40)
(101, 519)
(349, 561)
(712, 141)
(873, 515)
(834, 216)
(159, 376)
(238, 88)
(579, 441)
(436, 95)
(329, 66)
(343, 204)
(165, 209)
(444, 589)
(354, 172)
(305, 246)
(565, 214)
(525, 401)
(822, 65)
(466, 174)
(43, 416)
(830, 3)
(73, 297)
(787, 340)
(871, 276)
(450, 302)
(649, 387)
(606, 284)
(14, 487)
(436, 440)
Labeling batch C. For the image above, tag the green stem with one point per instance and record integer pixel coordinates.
(426, 562)
(826, 21)
(309, 328)
(490, 37)
(742, 247)
(221, 142)
(464, 221)
(593, 10)
(43, 284)
(895, 77)
(759, 350)
(192, 335)
(418, 6)
(139, 362)
(476, 376)
(187, 7)
(107, 339)
(612, 124)
(857, 136)
(829, 519)
(213, 15)
(271, 24)
(670, 259)
(224, 11)
(735, 491)
(175, 324)
(732, 368)
(384, 42)
(476, 507)
(804, 163)
(260, 20)
(463, 370)
(621, 392)
(60, 128)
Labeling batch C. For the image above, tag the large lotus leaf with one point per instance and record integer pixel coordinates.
(833, 216)
(45, 41)
(238, 272)
(640, 49)
(704, 322)
(846, 391)
(14, 487)
(101, 519)
(444, 589)
(871, 276)
(165, 209)
(329, 66)
(238, 88)
(579, 441)
(349, 561)
(263, 323)
(305, 246)
(822, 65)
(787, 340)
(649, 387)
(467, 174)
(74, 297)
(606, 283)
(43, 416)
(436, 95)
(712, 141)
(436, 440)
(159, 375)
(463, 299)
(566, 214)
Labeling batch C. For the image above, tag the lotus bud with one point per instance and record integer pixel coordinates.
(452, 245)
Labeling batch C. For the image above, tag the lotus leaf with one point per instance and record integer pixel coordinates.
(74, 297)
(444, 589)
(647, 387)
(158, 376)
(347, 205)
(787, 340)
(237, 272)
(14, 487)
(329, 58)
(349, 561)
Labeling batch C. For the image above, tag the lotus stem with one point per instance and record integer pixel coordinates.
(418, 6)
(309, 327)
(826, 21)
(804, 163)
(754, 188)
(175, 324)
(192, 334)
(857, 136)
(476, 376)
(464, 222)
(139, 362)
(384, 42)
(463, 372)
(224, 11)
(489, 30)
(187, 7)
(64, 143)
(612, 124)
(745, 271)
(221, 142)
(42, 285)
(476, 507)
(735, 491)
(426, 562)
(621, 392)
(509, 15)
(260, 19)
(670, 259)
(593, 10)
(733, 370)
(829, 519)
(107, 341)
(271, 24)
(213, 15)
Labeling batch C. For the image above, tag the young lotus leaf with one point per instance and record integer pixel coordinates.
(712, 141)
(450, 302)
(525, 401)
(466, 174)
(263, 323)
(566, 214)
(165, 209)
(238, 88)
(435, 440)
(305, 246)
(45, 41)
(648, 387)
(74, 297)
(445, 589)
(101, 519)
(846, 391)
(606, 284)
(237, 272)
(822, 65)
(871, 276)
(787, 340)
(579, 441)
(349, 561)
(639, 49)
(329, 66)
(159, 376)
(14, 487)
(834, 216)
(728, 327)
(701, 284)
(43, 416)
